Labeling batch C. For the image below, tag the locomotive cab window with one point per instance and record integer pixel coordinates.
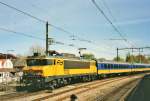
(39, 62)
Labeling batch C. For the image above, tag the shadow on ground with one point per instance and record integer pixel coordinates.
(142, 91)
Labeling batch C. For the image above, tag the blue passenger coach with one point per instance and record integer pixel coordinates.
(112, 67)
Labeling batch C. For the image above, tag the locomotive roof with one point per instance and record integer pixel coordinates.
(53, 57)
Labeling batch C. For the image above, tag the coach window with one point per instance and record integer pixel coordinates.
(133, 66)
(112, 66)
(109, 66)
(102, 66)
(105, 66)
(125, 66)
(128, 67)
(121, 66)
(118, 66)
(98, 66)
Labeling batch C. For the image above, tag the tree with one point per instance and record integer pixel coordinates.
(119, 59)
(130, 58)
(136, 58)
(148, 58)
(101, 59)
(88, 56)
(36, 49)
(140, 59)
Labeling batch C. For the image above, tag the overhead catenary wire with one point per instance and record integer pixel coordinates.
(111, 23)
(33, 37)
(108, 9)
(21, 34)
(43, 21)
(42, 39)
(113, 17)
(38, 38)
(36, 18)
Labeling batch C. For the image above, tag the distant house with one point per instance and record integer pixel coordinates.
(6, 67)
(7, 56)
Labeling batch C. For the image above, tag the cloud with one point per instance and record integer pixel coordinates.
(131, 22)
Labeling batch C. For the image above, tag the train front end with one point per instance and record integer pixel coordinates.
(35, 73)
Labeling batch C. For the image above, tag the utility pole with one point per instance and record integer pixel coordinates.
(117, 55)
(140, 49)
(139, 55)
(47, 39)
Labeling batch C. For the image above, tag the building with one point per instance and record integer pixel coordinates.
(6, 67)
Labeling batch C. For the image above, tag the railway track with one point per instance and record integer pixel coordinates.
(115, 96)
(16, 95)
(79, 90)
(62, 94)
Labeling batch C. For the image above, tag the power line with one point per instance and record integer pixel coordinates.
(36, 18)
(43, 21)
(111, 23)
(42, 39)
(33, 37)
(108, 9)
(20, 33)
(114, 19)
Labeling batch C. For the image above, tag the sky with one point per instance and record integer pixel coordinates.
(82, 19)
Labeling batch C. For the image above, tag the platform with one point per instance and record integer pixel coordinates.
(142, 91)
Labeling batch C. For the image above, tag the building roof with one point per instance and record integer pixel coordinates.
(6, 70)
(8, 56)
